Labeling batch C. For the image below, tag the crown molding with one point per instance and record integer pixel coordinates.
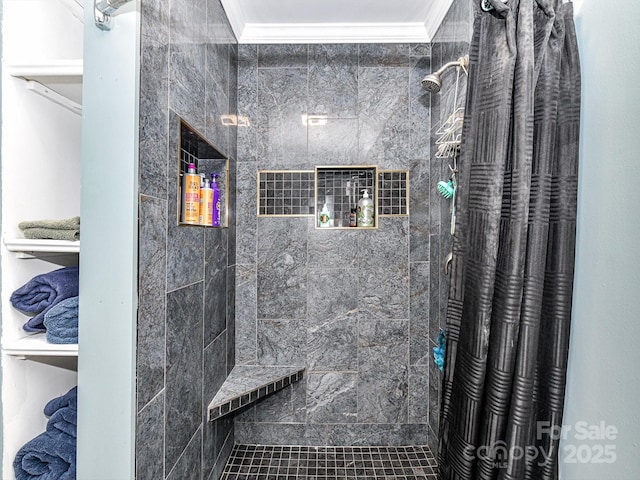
(235, 15)
(436, 15)
(382, 32)
(354, 32)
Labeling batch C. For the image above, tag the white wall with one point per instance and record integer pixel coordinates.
(603, 383)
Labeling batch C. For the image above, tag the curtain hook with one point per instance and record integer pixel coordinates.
(487, 6)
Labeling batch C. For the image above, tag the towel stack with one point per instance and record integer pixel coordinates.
(52, 454)
(43, 292)
(61, 322)
(67, 229)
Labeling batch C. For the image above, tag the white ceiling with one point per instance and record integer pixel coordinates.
(335, 21)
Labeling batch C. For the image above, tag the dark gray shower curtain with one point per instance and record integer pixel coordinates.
(509, 304)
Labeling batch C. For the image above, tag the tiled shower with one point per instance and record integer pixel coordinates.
(339, 301)
(360, 309)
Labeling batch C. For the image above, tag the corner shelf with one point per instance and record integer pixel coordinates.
(59, 81)
(37, 345)
(29, 247)
(249, 383)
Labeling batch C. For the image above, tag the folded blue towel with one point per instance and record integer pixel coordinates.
(52, 454)
(63, 424)
(43, 292)
(63, 416)
(61, 322)
(45, 458)
(69, 399)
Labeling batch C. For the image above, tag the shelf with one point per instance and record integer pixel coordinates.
(207, 160)
(339, 190)
(33, 247)
(37, 346)
(249, 383)
(60, 81)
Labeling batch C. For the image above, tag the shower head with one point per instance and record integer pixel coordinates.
(433, 81)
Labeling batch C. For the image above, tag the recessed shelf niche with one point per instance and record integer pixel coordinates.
(340, 188)
(195, 149)
(303, 193)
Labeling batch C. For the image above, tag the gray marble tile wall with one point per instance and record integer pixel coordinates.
(187, 274)
(450, 43)
(352, 306)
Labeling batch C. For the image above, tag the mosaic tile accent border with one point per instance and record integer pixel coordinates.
(293, 192)
(393, 192)
(262, 462)
(285, 192)
(248, 383)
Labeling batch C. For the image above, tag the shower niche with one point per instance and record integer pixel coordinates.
(331, 194)
(202, 170)
(338, 191)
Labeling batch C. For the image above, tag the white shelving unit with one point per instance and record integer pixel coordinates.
(41, 134)
(35, 247)
(60, 81)
(37, 346)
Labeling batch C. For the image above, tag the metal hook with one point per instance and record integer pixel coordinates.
(447, 262)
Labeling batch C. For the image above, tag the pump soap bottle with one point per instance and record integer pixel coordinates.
(190, 211)
(364, 216)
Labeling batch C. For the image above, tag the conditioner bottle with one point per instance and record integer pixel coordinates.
(190, 211)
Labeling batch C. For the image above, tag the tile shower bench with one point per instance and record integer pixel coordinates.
(249, 383)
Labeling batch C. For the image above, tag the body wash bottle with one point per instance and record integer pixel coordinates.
(190, 211)
(206, 204)
(216, 207)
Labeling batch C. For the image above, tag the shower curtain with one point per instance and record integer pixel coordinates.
(511, 285)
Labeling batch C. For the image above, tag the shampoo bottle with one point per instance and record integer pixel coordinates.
(190, 212)
(365, 211)
(215, 220)
(206, 204)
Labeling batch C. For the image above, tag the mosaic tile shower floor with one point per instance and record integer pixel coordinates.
(259, 462)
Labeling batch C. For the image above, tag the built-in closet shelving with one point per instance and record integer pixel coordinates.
(30, 247)
(37, 346)
(60, 81)
(41, 134)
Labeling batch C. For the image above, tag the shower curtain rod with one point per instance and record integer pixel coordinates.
(105, 9)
